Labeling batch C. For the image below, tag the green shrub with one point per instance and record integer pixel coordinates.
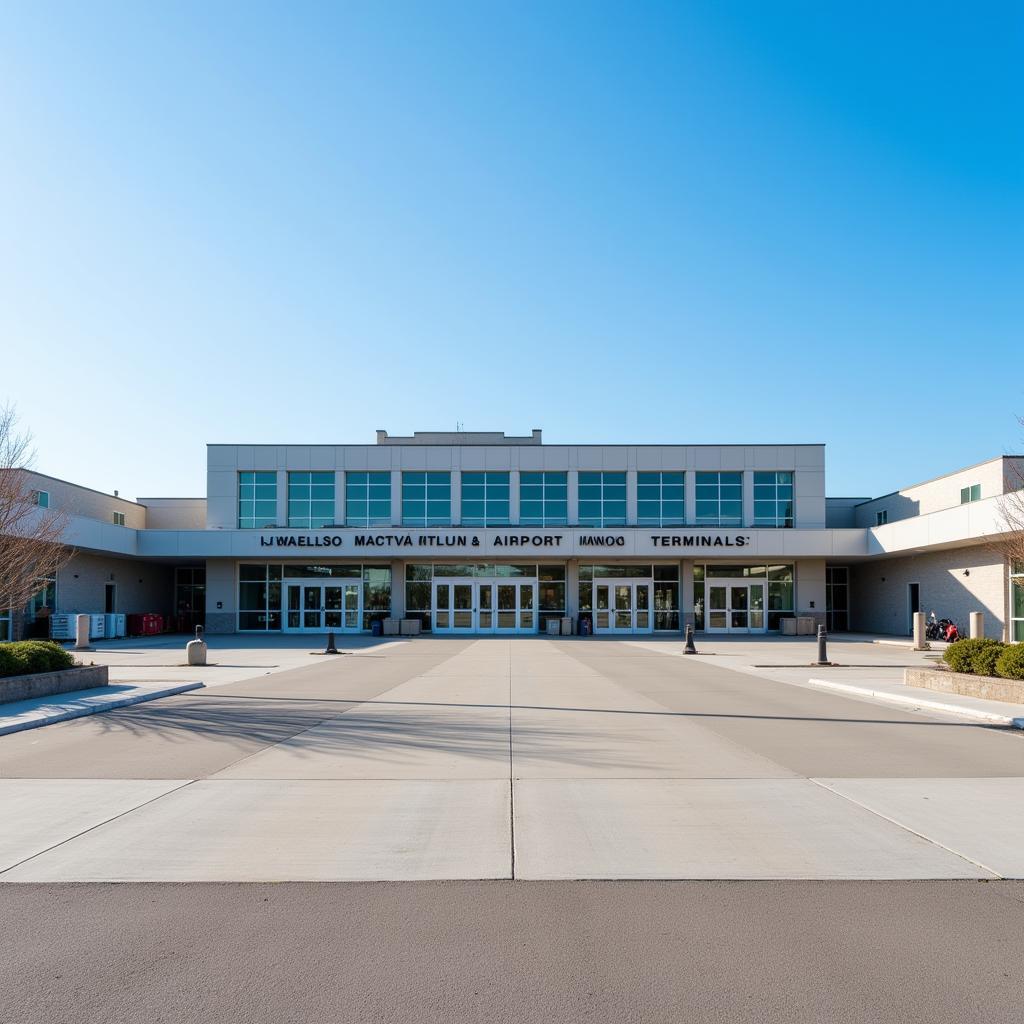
(1011, 662)
(29, 656)
(960, 656)
(984, 662)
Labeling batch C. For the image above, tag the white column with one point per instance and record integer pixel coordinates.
(748, 497)
(513, 497)
(690, 497)
(572, 588)
(631, 506)
(339, 497)
(685, 594)
(282, 497)
(456, 479)
(396, 497)
(573, 493)
(398, 589)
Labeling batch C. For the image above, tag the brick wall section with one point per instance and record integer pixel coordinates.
(877, 607)
(155, 592)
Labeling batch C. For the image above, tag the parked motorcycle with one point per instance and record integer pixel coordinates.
(942, 629)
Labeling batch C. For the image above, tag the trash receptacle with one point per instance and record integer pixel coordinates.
(584, 629)
(376, 628)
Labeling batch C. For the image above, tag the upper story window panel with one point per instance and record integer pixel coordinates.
(602, 499)
(310, 500)
(881, 517)
(969, 494)
(257, 500)
(485, 499)
(544, 499)
(41, 498)
(426, 499)
(660, 499)
(119, 519)
(368, 499)
(773, 499)
(719, 499)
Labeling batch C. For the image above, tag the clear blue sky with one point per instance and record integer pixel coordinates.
(683, 222)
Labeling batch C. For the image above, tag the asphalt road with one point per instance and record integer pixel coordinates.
(454, 952)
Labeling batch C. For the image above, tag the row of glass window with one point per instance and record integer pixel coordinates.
(486, 499)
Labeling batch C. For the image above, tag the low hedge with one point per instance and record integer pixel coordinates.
(26, 657)
(1011, 662)
(961, 656)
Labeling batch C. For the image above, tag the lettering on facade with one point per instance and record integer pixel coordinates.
(601, 541)
(523, 540)
(281, 541)
(698, 541)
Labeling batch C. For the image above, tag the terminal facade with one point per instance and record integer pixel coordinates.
(489, 534)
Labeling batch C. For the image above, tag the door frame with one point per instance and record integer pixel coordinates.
(728, 586)
(635, 612)
(492, 586)
(326, 622)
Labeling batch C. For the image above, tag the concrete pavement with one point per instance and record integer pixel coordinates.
(525, 758)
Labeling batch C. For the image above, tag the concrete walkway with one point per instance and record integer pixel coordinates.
(525, 758)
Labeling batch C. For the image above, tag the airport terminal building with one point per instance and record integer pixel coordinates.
(489, 534)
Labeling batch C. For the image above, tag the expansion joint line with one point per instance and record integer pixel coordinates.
(511, 773)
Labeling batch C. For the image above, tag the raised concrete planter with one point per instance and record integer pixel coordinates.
(986, 687)
(42, 684)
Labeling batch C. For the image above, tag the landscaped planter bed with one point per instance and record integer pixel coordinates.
(37, 668)
(967, 685)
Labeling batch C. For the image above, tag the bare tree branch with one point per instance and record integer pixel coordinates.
(1011, 510)
(31, 545)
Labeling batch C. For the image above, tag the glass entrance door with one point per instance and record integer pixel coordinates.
(622, 607)
(315, 607)
(480, 606)
(735, 608)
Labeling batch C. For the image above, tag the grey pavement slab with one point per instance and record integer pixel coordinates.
(37, 814)
(381, 742)
(713, 828)
(808, 731)
(235, 830)
(979, 819)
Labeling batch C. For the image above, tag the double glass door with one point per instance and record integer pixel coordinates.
(622, 607)
(316, 607)
(482, 606)
(735, 608)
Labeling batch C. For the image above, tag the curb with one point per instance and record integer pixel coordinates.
(93, 709)
(930, 705)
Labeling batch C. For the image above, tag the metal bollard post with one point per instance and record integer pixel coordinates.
(331, 649)
(689, 648)
(822, 652)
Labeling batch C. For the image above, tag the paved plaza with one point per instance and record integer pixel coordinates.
(524, 830)
(533, 759)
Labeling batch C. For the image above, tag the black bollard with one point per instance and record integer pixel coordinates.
(822, 651)
(331, 649)
(689, 648)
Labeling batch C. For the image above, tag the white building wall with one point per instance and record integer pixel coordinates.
(221, 596)
(85, 502)
(995, 477)
(175, 513)
(953, 583)
(806, 461)
(141, 586)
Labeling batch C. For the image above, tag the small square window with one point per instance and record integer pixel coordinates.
(881, 518)
(42, 498)
(119, 519)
